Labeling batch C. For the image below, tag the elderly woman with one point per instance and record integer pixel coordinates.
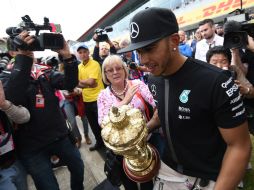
(121, 91)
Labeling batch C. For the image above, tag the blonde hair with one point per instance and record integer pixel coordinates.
(108, 61)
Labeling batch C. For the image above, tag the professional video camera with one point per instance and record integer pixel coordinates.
(42, 41)
(236, 30)
(102, 33)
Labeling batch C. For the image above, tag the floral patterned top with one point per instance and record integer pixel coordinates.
(107, 99)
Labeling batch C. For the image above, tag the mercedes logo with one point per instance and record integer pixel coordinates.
(134, 30)
(153, 89)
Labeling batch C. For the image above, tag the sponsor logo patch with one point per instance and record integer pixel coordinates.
(184, 96)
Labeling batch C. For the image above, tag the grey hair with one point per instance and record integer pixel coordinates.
(113, 59)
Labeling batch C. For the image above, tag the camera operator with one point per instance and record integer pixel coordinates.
(101, 51)
(12, 173)
(46, 134)
(222, 57)
(238, 37)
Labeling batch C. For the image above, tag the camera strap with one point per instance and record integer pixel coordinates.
(37, 71)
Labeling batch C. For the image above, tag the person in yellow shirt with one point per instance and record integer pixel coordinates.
(90, 80)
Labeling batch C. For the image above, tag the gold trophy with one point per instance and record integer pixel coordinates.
(124, 131)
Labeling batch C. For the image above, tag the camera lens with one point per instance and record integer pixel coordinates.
(236, 39)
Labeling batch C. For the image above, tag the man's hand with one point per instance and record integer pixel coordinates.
(154, 122)
(250, 44)
(87, 83)
(95, 38)
(27, 39)
(65, 52)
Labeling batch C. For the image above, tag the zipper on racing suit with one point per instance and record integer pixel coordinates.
(168, 135)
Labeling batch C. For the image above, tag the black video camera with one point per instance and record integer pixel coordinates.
(42, 41)
(102, 33)
(236, 31)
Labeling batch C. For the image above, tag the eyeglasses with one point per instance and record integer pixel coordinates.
(111, 70)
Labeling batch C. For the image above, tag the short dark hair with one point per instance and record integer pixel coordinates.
(206, 21)
(218, 50)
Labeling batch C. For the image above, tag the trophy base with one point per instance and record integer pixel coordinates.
(148, 173)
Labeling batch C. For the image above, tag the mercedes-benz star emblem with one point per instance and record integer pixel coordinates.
(134, 30)
(153, 89)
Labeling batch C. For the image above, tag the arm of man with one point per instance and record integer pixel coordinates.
(236, 157)
(250, 43)
(96, 51)
(17, 114)
(112, 48)
(154, 122)
(20, 75)
(68, 80)
(236, 60)
(87, 83)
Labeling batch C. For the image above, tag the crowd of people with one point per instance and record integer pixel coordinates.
(201, 94)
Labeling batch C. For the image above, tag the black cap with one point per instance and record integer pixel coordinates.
(149, 26)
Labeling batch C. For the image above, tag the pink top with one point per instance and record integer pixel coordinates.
(106, 100)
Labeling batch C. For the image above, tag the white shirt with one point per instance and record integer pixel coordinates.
(203, 46)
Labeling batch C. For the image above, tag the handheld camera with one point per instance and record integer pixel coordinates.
(42, 41)
(102, 33)
(236, 31)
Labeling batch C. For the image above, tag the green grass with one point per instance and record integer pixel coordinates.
(249, 177)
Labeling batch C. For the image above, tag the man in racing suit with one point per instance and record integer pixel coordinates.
(199, 107)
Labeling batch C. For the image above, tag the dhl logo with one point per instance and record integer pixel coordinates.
(214, 10)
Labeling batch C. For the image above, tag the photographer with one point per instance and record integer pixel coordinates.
(101, 51)
(46, 134)
(239, 37)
